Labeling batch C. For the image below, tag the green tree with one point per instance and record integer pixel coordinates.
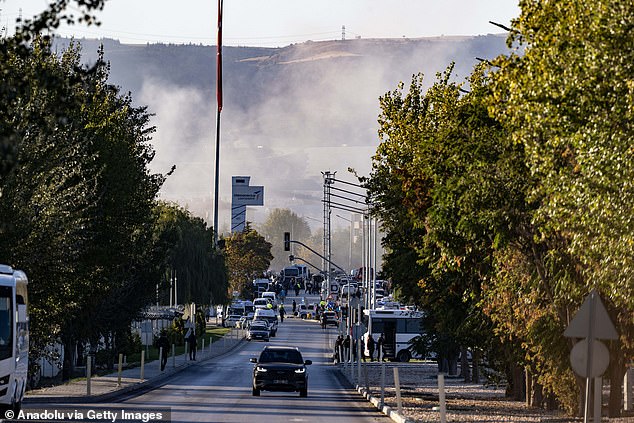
(247, 255)
(199, 268)
(77, 201)
(284, 220)
(568, 100)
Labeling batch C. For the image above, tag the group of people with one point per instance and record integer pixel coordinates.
(343, 345)
(163, 346)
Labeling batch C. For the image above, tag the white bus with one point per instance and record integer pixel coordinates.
(398, 327)
(14, 337)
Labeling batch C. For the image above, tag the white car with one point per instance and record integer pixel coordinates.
(271, 297)
(231, 320)
(261, 302)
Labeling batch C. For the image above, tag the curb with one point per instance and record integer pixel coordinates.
(388, 411)
(147, 385)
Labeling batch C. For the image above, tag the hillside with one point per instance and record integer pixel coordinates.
(288, 113)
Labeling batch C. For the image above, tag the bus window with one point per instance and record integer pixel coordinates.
(6, 323)
(413, 326)
(378, 326)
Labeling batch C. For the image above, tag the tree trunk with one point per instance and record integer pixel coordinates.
(529, 385)
(68, 367)
(616, 372)
(537, 396)
(518, 383)
(464, 365)
(475, 362)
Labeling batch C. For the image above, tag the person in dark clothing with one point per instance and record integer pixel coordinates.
(346, 347)
(282, 313)
(294, 307)
(338, 347)
(192, 346)
(163, 345)
(370, 345)
(323, 321)
(380, 352)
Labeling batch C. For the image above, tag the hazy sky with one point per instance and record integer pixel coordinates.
(276, 23)
(285, 155)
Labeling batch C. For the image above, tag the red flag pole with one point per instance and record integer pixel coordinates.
(219, 101)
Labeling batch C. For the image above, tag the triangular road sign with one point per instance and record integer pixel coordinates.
(602, 327)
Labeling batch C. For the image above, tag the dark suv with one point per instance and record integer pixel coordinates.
(280, 369)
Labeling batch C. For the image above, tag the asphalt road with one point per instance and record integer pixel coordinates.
(219, 390)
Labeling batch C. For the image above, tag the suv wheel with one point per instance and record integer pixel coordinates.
(303, 392)
(256, 392)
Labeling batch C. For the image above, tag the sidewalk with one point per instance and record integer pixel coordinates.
(104, 388)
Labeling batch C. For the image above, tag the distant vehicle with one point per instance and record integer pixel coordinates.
(331, 318)
(14, 337)
(231, 320)
(261, 302)
(245, 321)
(259, 329)
(248, 307)
(280, 369)
(349, 287)
(261, 285)
(268, 315)
(236, 307)
(399, 328)
(302, 311)
(311, 310)
(270, 295)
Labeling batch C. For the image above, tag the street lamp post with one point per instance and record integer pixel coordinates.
(349, 252)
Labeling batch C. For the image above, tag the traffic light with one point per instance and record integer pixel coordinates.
(287, 241)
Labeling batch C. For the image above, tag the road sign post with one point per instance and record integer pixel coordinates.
(590, 358)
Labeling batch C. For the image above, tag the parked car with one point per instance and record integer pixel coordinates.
(280, 369)
(311, 310)
(259, 329)
(261, 302)
(302, 311)
(268, 315)
(231, 320)
(244, 321)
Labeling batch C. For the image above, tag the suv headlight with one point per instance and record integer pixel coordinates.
(302, 370)
(261, 369)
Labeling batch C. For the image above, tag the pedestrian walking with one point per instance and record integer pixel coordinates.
(193, 342)
(282, 313)
(323, 321)
(294, 307)
(163, 345)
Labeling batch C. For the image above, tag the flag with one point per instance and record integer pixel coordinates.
(219, 59)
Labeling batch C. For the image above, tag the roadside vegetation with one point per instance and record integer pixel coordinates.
(79, 210)
(507, 198)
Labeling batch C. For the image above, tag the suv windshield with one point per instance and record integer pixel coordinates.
(281, 356)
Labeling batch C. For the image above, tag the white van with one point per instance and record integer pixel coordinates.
(270, 295)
